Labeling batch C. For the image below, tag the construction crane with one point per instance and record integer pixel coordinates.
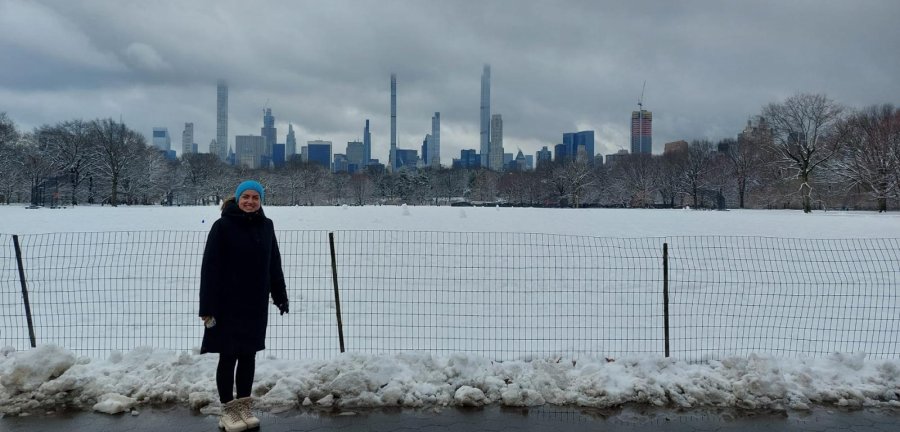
(640, 120)
(641, 100)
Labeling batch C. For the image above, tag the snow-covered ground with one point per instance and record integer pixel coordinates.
(50, 375)
(591, 222)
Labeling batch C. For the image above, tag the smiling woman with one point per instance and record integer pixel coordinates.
(241, 269)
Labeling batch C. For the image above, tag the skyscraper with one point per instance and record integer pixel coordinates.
(269, 133)
(319, 152)
(187, 139)
(426, 145)
(543, 156)
(392, 157)
(367, 145)
(221, 149)
(641, 132)
(578, 144)
(485, 116)
(290, 143)
(161, 139)
(495, 160)
(434, 149)
(249, 150)
(356, 155)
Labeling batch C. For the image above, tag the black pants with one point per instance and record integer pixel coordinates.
(226, 377)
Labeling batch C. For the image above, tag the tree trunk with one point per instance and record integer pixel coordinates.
(805, 192)
(742, 187)
(882, 204)
(115, 186)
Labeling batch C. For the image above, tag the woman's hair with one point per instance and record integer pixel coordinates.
(227, 200)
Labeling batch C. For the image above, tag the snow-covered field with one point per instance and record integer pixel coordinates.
(51, 375)
(591, 222)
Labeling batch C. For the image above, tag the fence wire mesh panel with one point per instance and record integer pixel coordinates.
(500, 295)
(497, 295)
(309, 330)
(98, 292)
(13, 323)
(784, 297)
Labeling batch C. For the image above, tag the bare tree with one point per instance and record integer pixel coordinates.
(804, 136)
(450, 183)
(339, 187)
(8, 133)
(303, 181)
(361, 188)
(114, 151)
(747, 156)
(200, 171)
(871, 155)
(9, 155)
(68, 145)
(671, 170)
(637, 176)
(514, 187)
(484, 185)
(696, 169)
(144, 182)
(36, 165)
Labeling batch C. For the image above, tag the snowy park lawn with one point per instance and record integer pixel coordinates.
(51, 376)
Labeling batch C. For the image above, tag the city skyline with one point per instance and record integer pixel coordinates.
(709, 67)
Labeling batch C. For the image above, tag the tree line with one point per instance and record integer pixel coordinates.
(806, 152)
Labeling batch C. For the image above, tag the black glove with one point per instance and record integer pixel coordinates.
(283, 307)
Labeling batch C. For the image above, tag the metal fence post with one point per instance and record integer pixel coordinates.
(666, 294)
(337, 297)
(24, 291)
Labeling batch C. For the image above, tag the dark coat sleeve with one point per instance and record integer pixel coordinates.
(210, 272)
(276, 274)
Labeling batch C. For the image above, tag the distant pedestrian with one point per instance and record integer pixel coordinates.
(241, 269)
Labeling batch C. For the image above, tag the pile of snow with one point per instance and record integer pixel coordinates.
(51, 377)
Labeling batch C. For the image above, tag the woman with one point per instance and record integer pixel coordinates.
(241, 268)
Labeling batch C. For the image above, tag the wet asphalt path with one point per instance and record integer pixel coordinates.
(545, 418)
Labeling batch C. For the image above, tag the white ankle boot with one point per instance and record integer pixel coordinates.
(245, 406)
(231, 417)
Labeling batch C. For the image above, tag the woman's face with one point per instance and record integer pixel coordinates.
(249, 201)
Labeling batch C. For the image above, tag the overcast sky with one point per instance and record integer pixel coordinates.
(557, 66)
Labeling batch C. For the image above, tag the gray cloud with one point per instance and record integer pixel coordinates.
(556, 66)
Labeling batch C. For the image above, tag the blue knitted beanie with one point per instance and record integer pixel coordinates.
(249, 185)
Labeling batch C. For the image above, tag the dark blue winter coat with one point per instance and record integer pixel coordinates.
(241, 269)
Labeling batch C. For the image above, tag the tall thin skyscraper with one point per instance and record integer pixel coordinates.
(269, 133)
(221, 149)
(434, 153)
(187, 139)
(392, 157)
(641, 132)
(485, 115)
(290, 143)
(367, 144)
(496, 148)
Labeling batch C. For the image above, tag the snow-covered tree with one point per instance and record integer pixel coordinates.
(696, 169)
(747, 156)
(114, 151)
(871, 155)
(68, 146)
(637, 177)
(804, 136)
(9, 154)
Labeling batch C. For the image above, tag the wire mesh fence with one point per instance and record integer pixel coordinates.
(499, 295)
